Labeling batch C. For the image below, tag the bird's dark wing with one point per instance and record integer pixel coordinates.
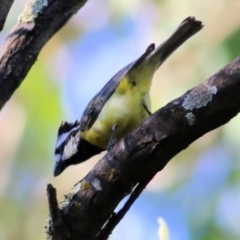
(95, 106)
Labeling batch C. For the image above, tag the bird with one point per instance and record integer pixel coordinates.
(120, 106)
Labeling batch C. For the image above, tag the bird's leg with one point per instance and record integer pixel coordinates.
(146, 109)
(112, 140)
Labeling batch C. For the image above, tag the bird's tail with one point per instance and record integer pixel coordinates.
(185, 30)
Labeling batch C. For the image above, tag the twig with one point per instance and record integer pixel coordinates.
(116, 218)
(56, 227)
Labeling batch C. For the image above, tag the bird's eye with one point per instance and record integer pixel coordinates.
(58, 150)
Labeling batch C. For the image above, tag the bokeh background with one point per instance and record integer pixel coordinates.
(197, 195)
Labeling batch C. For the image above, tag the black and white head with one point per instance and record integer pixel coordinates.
(67, 146)
(71, 148)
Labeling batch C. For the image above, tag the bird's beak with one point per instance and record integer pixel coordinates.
(58, 168)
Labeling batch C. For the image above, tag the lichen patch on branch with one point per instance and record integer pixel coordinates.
(199, 97)
(68, 197)
(191, 118)
(32, 10)
(47, 229)
(97, 184)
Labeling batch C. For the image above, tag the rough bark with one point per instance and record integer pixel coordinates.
(146, 151)
(39, 21)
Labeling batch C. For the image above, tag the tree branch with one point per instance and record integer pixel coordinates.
(5, 6)
(117, 217)
(55, 214)
(39, 21)
(147, 150)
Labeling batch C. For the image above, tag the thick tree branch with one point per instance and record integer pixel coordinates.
(147, 150)
(5, 6)
(37, 24)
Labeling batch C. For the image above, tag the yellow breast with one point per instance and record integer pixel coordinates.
(123, 108)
